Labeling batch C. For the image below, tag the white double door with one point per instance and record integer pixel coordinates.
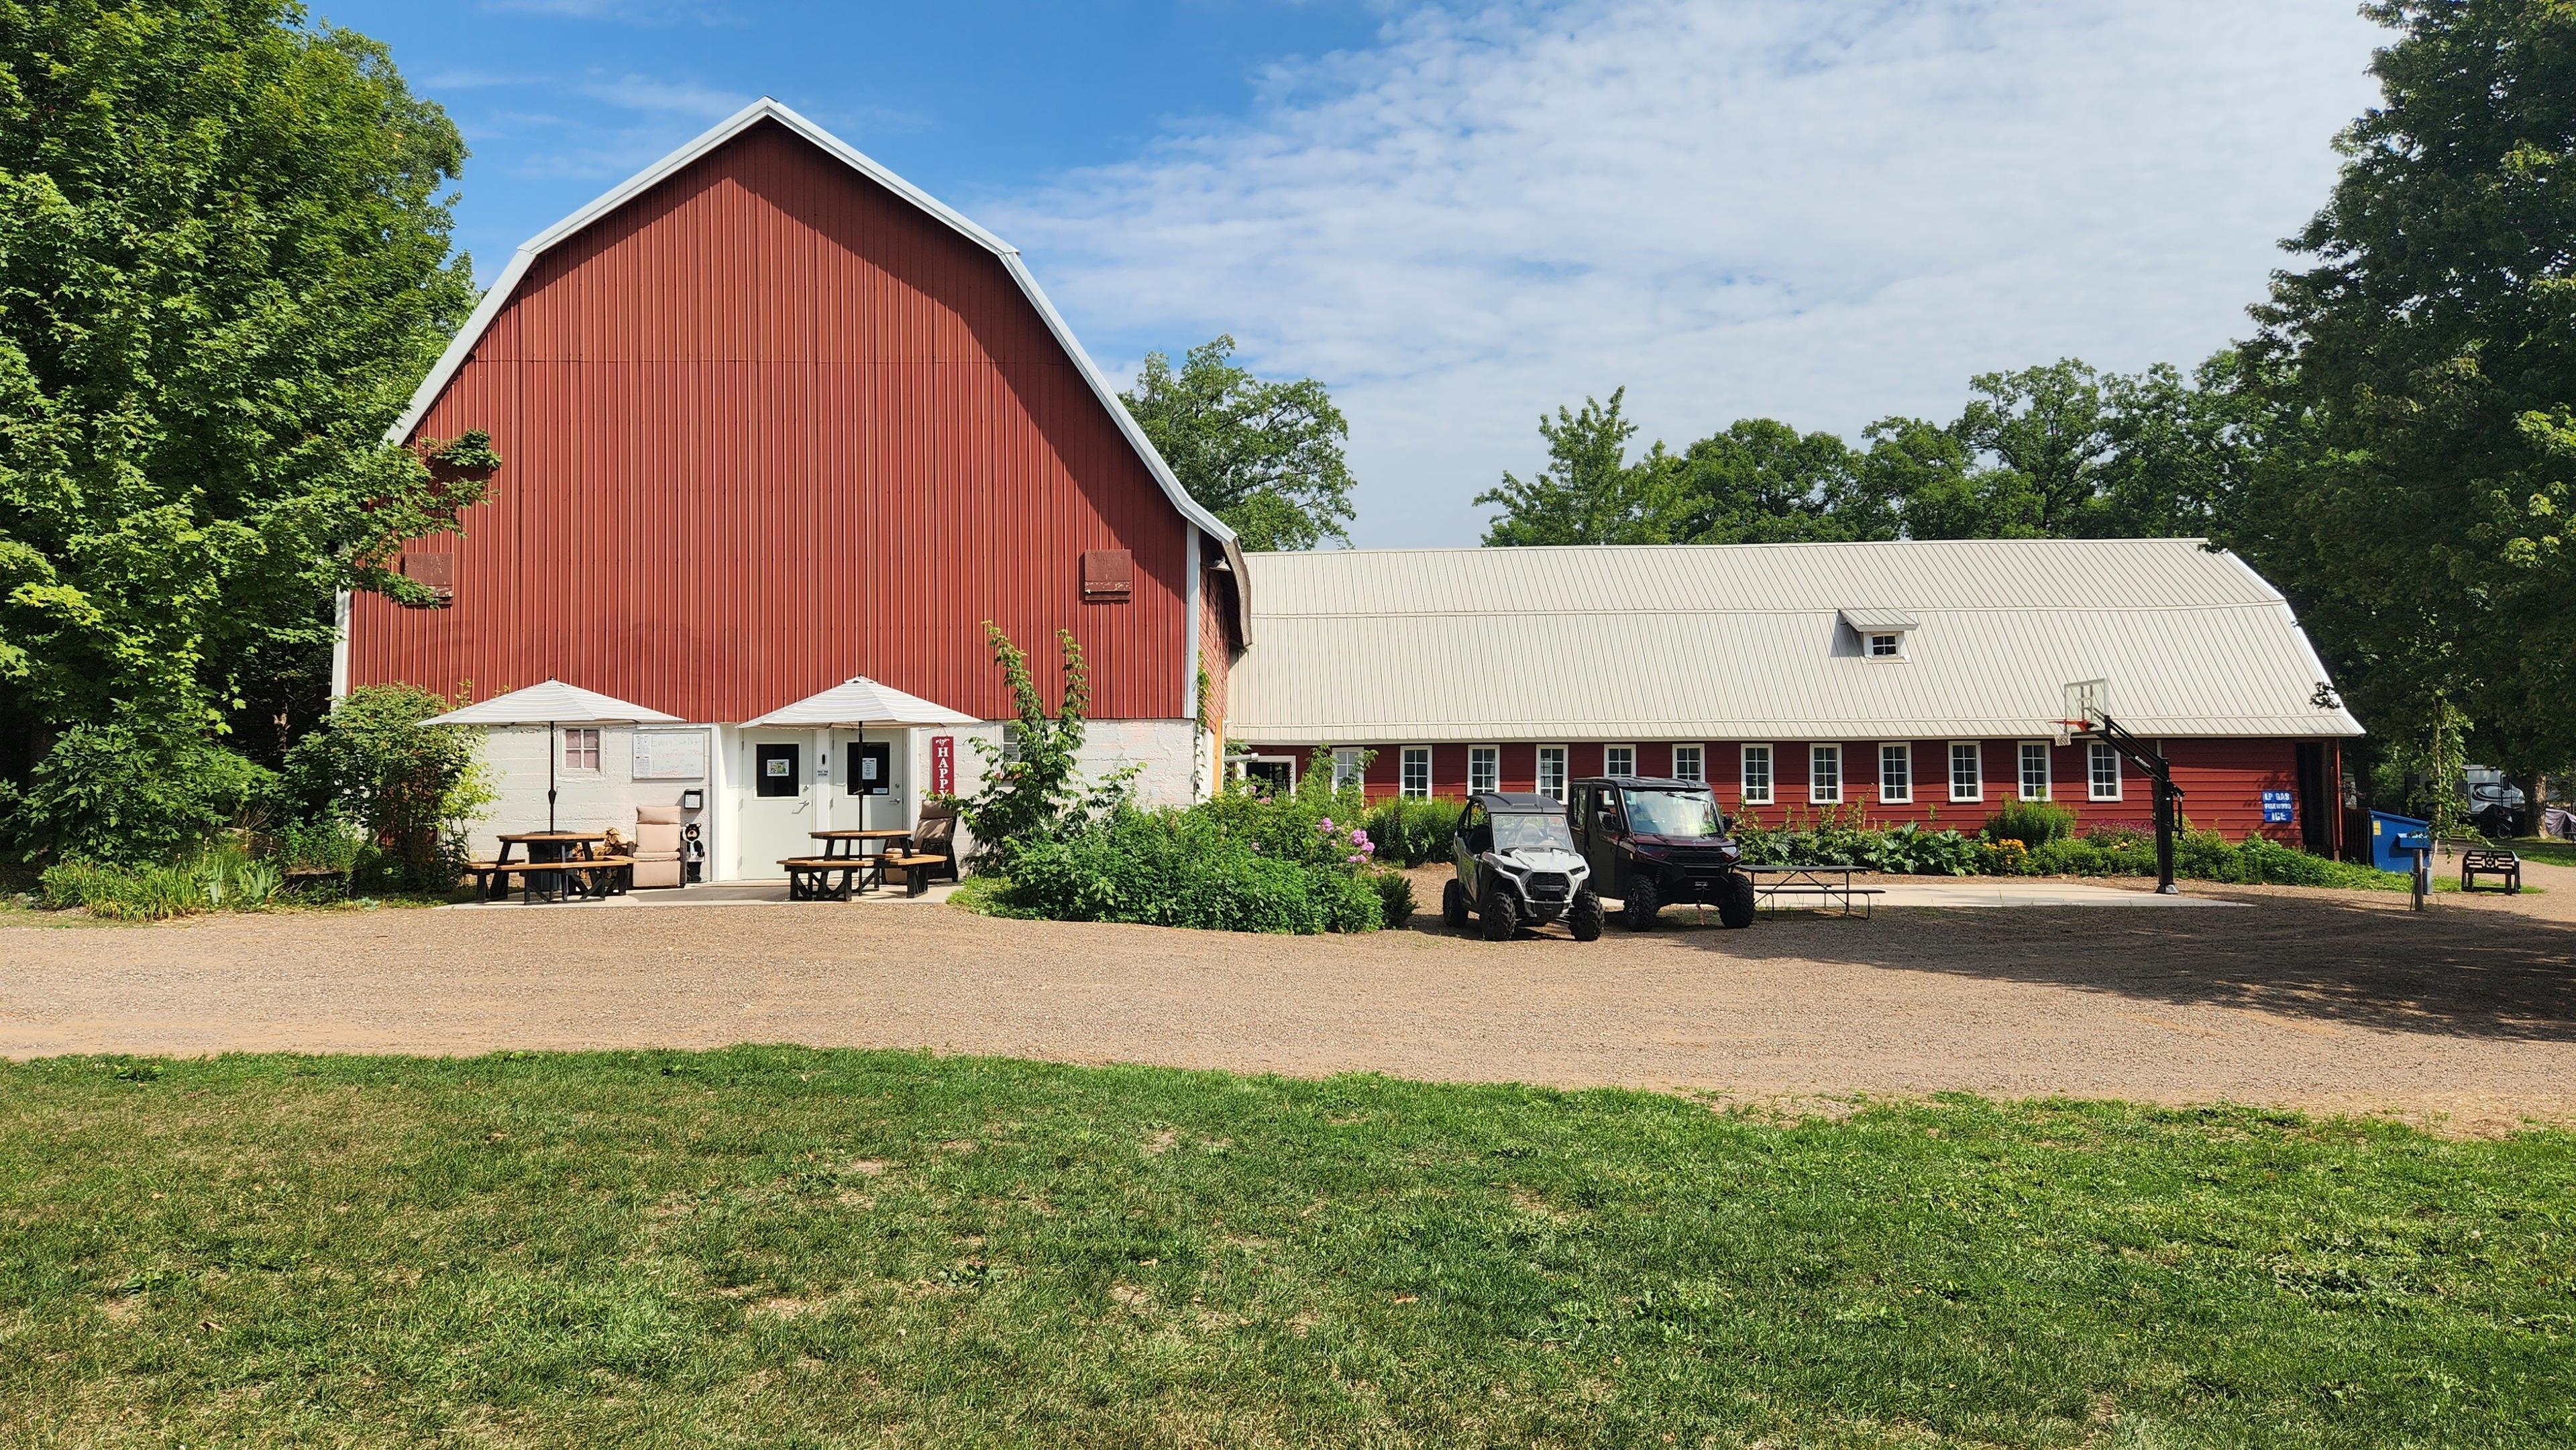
(797, 782)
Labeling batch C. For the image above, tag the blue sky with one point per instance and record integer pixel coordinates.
(1461, 216)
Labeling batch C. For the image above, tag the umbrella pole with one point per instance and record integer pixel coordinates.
(551, 753)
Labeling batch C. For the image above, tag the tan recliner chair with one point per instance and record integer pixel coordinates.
(657, 846)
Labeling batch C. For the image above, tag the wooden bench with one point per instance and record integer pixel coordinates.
(917, 868)
(299, 878)
(2479, 861)
(1867, 896)
(809, 878)
(497, 875)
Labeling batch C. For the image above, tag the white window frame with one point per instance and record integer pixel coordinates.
(1289, 761)
(583, 738)
(1977, 782)
(1895, 644)
(1608, 769)
(1493, 760)
(1698, 755)
(1770, 775)
(1903, 795)
(1818, 752)
(2093, 757)
(2021, 771)
(1413, 755)
(1564, 773)
(1346, 766)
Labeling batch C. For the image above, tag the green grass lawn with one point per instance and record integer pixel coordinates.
(791, 1247)
(2555, 853)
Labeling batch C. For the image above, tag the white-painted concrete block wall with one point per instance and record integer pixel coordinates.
(585, 800)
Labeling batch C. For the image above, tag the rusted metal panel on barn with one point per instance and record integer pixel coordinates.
(769, 426)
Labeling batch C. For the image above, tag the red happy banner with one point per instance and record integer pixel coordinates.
(943, 765)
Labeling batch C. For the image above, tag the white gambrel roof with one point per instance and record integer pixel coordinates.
(462, 345)
(1752, 642)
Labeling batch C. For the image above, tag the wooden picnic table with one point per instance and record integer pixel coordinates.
(1773, 882)
(551, 853)
(850, 840)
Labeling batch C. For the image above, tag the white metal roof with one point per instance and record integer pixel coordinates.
(553, 703)
(766, 109)
(1749, 642)
(861, 701)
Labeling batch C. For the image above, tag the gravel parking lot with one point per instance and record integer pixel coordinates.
(2340, 1001)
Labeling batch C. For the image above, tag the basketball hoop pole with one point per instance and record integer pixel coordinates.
(2152, 765)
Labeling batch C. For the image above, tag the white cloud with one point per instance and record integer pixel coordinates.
(1812, 209)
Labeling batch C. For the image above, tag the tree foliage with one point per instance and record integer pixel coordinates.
(413, 788)
(1033, 787)
(2426, 355)
(1588, 494)
(1264, 457)
(224, 260)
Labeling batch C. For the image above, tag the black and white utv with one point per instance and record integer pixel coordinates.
(1517, 867)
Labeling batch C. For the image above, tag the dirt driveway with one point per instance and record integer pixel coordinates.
(2319, 1000)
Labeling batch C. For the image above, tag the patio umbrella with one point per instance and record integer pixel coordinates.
(859, 703)
(553, 704)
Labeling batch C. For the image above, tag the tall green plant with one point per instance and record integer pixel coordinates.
(413, 788)
(116, 793)
(1032, 782)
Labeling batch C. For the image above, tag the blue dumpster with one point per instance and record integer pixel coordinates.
(2395, 839)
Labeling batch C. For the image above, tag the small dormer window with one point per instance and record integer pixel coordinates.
(1886, 646)
(1879, 632)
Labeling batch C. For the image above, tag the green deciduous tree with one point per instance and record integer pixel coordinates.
(224, 262)
(2426, 354)
(1264, 457)
(1589, 493)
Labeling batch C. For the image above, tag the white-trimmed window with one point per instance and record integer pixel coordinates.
(1896, 773)
(1618, 760)
(2034, 770)
(1689, 763)
(1757, 775)
(1551, 771)
(1886, 646)
(581, 748)
(1967, 770)
(1346, 766)
(2102, 782)
(1484, 767)
(1825, 774)
(1413, 776)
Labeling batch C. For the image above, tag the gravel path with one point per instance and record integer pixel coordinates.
(2338, 1001)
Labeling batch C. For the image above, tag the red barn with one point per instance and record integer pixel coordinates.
(771, 418)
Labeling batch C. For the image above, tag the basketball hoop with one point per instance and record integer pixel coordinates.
(2088, 705)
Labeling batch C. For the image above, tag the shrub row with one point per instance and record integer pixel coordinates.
(226, 878)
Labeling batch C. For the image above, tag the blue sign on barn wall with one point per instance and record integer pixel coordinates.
(2276, 808)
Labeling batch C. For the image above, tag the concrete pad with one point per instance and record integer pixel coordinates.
(720, 893)
(2029, 893)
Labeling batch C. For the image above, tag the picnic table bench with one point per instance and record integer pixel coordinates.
(593, 877)
(2477, 861)
(811, 878)
(1770, 883)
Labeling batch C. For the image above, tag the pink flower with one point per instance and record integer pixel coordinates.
(1326, 825)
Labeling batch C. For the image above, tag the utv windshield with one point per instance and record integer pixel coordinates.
(1518, 832)
(1670, 813)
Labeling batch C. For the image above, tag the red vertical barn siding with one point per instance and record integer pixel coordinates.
(768, 426)
(2223, 780)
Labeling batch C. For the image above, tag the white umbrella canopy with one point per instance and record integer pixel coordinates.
(553, 704)
(862, 704)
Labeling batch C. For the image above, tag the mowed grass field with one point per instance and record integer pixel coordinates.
(797, 1247)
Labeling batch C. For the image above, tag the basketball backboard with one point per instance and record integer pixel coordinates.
(2088, 704)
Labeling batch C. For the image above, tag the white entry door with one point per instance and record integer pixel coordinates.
(874, 771)
(778, 798)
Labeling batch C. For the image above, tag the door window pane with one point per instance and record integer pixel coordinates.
(1825, 774)
(1415, 779)
(777, 770)
(1551, 771)
(1484, 767)
(1688, 763)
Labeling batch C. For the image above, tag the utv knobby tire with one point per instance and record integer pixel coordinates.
(1498, 916)
(1735, 902)
(1638, 908)
(1583, 918)
(1453, 906)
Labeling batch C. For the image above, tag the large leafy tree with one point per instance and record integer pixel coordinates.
(1265, 457)
(1589, 493)
(2426, 355)
(1761, 481)
(224, 261)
